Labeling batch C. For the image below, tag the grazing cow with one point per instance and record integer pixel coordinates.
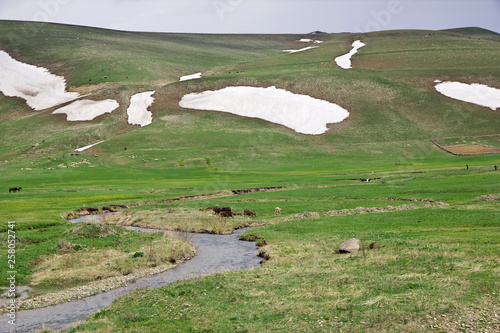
(277, 211)
(15, 189)
(225, 213)
(217, 210)
(247, 212)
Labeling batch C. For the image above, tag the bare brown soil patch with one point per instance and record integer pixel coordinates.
(472, 149)
(469, 145)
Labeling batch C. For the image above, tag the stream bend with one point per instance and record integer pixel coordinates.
(215, 254)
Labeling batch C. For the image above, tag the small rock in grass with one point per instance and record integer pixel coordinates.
(350, 246)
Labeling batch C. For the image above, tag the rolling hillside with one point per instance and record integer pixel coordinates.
(381, 155)
(389, 94)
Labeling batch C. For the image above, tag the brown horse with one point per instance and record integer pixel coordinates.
(247, 212)
(15, 189)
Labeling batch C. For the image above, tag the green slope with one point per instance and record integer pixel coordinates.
(394, 112)
(390, 94)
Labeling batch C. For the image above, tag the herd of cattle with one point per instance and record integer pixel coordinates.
(224, 212)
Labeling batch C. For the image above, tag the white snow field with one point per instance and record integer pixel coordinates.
(87, 147)
(40, 88)
(302, 113)
(475, 93)
(301, 50)
(308, 40)
(138, 113)
(344, 61)
(190, 77)
(85, 110)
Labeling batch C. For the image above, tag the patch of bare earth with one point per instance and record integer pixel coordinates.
(472, 149)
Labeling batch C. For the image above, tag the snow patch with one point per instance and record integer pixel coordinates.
(302, 113)
(40, 88)
(85, 110)
(475, 93)
(301, 50)
(308, 40)
(190, 77)
(138, 113)
(344, 61)
(87, 147)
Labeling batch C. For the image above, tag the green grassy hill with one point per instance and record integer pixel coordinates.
(394, 112)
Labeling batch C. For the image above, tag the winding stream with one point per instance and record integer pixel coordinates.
(216, 253)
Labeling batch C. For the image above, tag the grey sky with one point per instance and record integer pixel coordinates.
(259, 16)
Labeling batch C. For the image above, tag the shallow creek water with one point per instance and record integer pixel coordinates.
(216, 253)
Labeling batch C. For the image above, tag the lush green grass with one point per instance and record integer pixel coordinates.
(84, 53)
(306, 285)
(425, 262)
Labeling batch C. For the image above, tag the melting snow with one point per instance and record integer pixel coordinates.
(303, 49)
(85, 109)
(36, 85)
(308, 40)
(344, 61)
(475, 93)
(87, 147)
(302, 113)
(138, 113)
(190, 77)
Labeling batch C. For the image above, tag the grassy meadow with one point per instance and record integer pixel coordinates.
(429, 227)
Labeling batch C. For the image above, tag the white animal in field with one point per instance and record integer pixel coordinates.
(277, 211)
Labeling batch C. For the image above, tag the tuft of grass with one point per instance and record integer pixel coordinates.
(181, 220)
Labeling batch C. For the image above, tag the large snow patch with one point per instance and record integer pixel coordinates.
(85, 110)
(138, 113)
(344, 61)
(40, 88)
(475, 93)
(302, 113)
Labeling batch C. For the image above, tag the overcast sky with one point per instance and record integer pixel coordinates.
(259, 16)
